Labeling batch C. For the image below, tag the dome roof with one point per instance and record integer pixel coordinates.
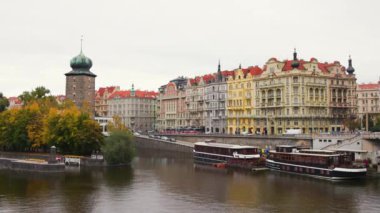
(81, 62)
(350, 69)
(295, 63)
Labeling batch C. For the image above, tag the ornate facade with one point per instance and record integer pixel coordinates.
(289, 94)
(101, 100)
(306, 95)
(215, 97)
(368, 101)
(171, 109)
(135, 108)
(240, 105)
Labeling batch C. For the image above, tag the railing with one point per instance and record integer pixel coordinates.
(345, 142)
(370, 135)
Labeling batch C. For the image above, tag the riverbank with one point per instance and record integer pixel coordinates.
(30, 165)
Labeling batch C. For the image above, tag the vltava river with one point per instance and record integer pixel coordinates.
(164, 182)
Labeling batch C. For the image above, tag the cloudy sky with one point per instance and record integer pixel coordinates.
(151, 42)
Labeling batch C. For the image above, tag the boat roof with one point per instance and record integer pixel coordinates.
(308, 154)
(287, 146)
(317, 151)
(223, 145)
(350, 150)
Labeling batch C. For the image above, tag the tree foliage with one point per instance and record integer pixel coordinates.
(4, 103)
(352, 123)
(42, 123)
(38, 94)
(118, 148)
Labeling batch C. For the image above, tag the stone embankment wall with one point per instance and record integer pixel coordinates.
(260, 141)
(151, 143)
(14, 164)
(24, 155)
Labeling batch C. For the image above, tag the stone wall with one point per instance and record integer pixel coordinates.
(152, 143)
(14, 164)
(260, 141)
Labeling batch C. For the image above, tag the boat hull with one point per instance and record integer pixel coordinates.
(230, 161)
(324, 173)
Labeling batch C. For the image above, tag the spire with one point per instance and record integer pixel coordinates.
(133, 90)
(295, 62)
(81, 43)
(295, 55)
(219, 66)
(350, 69)
(240, 66)
(219, 74)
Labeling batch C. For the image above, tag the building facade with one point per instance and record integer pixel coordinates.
(171, 109)
(368, 102)
(240, 105)
(215, 96)
(306, 95)
(80, 82)
(14, 103)
(101, 100)
(291, 94)
(135, 108)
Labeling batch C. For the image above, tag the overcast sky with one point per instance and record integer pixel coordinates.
(149, 43)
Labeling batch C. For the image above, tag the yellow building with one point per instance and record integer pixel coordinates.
(306, 95)
(240, 100)
(291, 94)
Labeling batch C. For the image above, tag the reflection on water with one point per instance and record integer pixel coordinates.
(169, 182)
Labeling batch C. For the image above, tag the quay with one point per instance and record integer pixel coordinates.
(369, 143)
(35, 165)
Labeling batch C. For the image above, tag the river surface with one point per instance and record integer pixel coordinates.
(165, 182)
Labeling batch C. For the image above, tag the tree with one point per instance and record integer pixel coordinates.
(73, 131)
(352, 123)
(41, 123)
(116, 124)
(39, 93)
(118, 148)
(375, 127)
(4, 103)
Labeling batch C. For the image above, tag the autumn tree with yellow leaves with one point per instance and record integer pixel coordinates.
(42, 123)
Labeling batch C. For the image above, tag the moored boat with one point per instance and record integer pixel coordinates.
(218, 154)
(333, 165)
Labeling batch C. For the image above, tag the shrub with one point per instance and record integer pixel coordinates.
(118, 148)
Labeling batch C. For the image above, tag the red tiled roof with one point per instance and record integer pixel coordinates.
(138, 93)
(101, 90)
(288, 65)
(369, 86)
(256, 70)
(209, 77)
(15, 100)
(227, 73)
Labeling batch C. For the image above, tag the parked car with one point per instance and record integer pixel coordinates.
(164, 138)
(151, 136)
(136, 134)
(172, 139)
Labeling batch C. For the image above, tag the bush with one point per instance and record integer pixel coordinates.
(118, 148)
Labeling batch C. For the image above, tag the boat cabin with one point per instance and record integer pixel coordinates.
(225, 149)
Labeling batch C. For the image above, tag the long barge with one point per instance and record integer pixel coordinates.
(218, 154)
(332, 165)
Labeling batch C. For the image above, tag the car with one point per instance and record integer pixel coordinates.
(164, 138)
(136, 134)
(151, 136)
(172, 139)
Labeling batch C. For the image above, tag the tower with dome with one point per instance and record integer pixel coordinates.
(80, 81)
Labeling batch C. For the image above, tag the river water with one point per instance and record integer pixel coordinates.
(165, 182)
